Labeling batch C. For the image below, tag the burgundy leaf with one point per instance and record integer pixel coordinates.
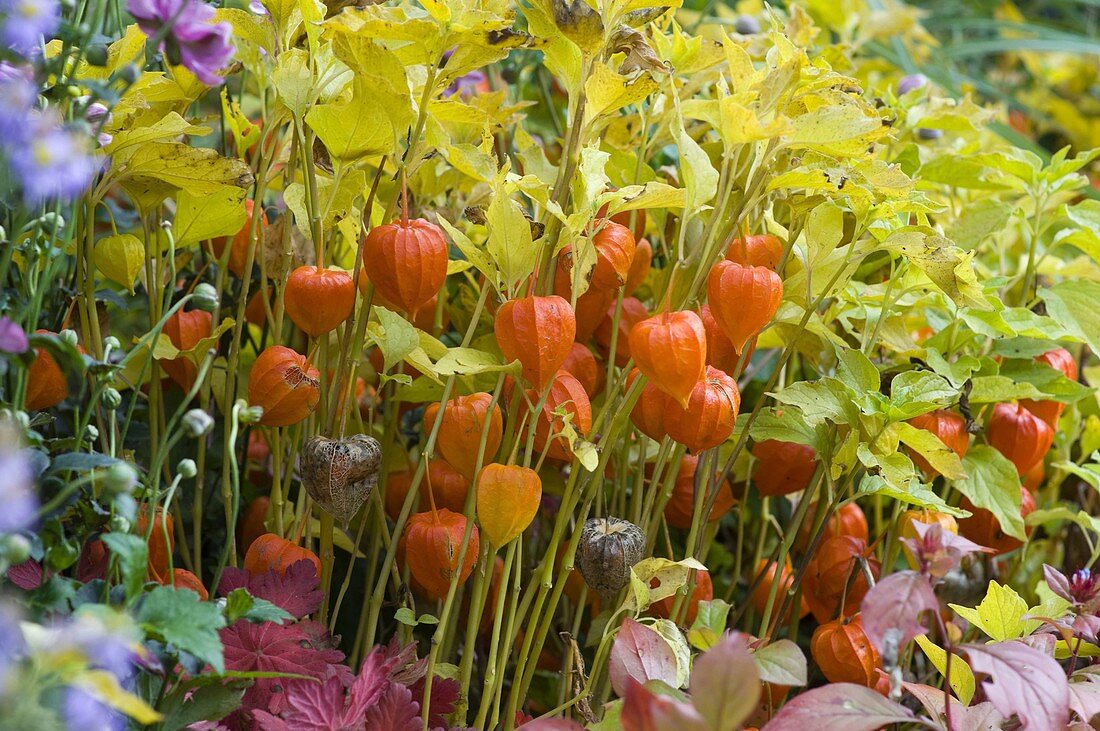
(552, 724)
(26, 575)
(891, 608)
(443, 700)
(839, 707)
(395, 711)
(313, 707)
(264, 721)
(725, 683)
(297, 649)
(1024, 682)
(642, 654)
(647, 711)
(373, 680)
(939, 551)
(297, 591)
(1057, 581)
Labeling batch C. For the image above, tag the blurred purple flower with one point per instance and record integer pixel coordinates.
(18, 503)
(1082, 587)
(12, 645)
(105, 649)
(25, 23)
(12, 337)
(52, 164)
(84, 712)
(17, 97)
(911, 82)
(201, 46)
(468, 85)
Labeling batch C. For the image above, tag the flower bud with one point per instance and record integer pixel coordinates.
(911, 83)
(120, 524)
(129, 73)
(15, 548)
(121, 478)
(69, 336)
(205, 297)
(187, 469)
(91, 433)
(111, 398)
(197, 422)
(249, 414)
(51, 222)
(111, 342)
(97, 55)
(746, 25)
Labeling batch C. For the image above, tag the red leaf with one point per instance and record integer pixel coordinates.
(725, 683)
(646, 711)
(1023, 681)
(892, 606)
(642, 654)
(297, 591)
(839, 707)
(27, 575)
(395, 711)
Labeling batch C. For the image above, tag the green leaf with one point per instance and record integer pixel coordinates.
(697, 174)
(709, 624)
(857, 371)
(826, 399)
(120, 258)
(393, 335)
(978, 220)
(468, 361)
(782, 663)
(405, 616)
(179, 617)
(929, 446)
(913, 494)
(946, 265)
(1072, 303)
(992, 483)
(1000, 614)
(510, 243)
(133, 559)
(913, 393)
(242, 605)
(995, 389)
(962, 677)
(187, 705)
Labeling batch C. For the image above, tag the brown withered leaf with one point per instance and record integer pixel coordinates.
(639, 56)
(580, 24)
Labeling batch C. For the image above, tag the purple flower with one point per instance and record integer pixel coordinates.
(201, 46)
(468, 85)
(84, 712)
(12, 337)
(18, 503)
(106, 648)
(1082, 587)
(17, 97)
(52, 164)
(12, 645)
(25, 23)
(911, 82)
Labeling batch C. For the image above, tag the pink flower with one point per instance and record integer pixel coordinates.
(186, 34)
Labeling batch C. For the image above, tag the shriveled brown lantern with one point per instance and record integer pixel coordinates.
(608, 548)
(339, 474)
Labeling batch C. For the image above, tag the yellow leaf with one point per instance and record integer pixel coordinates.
(608, 91)
(294, 81)
(831, 124)
(962, 677)
(160, 169)
(104, 686)
(120, 258)
(671, 577)
(1000, 614)
(353, 127)
(202, 217)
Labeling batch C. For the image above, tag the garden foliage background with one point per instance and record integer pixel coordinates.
(555, 364)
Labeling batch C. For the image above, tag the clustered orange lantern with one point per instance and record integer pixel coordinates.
(508, 498)
(670, 349)
(538, 332)
(185, 329)
(271, 552)
(284, 383)
(317, 300)
(743, 299)
(1019, 435)
(464, 419)
(710, 414)
(432, 543)
(406, 261)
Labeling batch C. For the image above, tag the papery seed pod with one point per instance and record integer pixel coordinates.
(633, 312)
(432, 543)
(671, 350)
(285, 385)
(339, 474)
(317, 300)
(508, 498)
(949, 428)
(844, 654)
(459, 437)
(271, 552)
(161, 542)
(639, 268)
(648, 414)
(743, 299)
(538, 332)
(680, 508)
(835, 573)
(615, 247)
(708, 419)
(608, 549)
(1019, 435)
(566, 393)
(184, 579)
(984, 529)
(407, 261)
(185, 330)
(763, 250)
(238, 254)
(767, 572)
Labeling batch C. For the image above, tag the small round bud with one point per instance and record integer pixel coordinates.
(69, 336)
(197, 422)
(112, 399)
(120, 524)
(72, 91)
(205, 297)
(91, 433)
(51, 222)
(15, 548)
(129, 73)
(187, 469)
(911, 83)
(97, 112)
(97, 55)
(926, 133)
(251, 415)
(747, 25)
(111, 342)
(121, 478)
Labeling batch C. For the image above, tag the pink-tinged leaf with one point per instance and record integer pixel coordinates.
(647, 711)
(891, 608)
(725, 683)
(1084, 699)
(373, 680)
(781, 662)
(839, 707)
(27, 575)
(395, 711)
(552, 724)
(1024, 682)
(979, 717)
(297, 591)
(939, 551)
(1058, 582)
(640, 653)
